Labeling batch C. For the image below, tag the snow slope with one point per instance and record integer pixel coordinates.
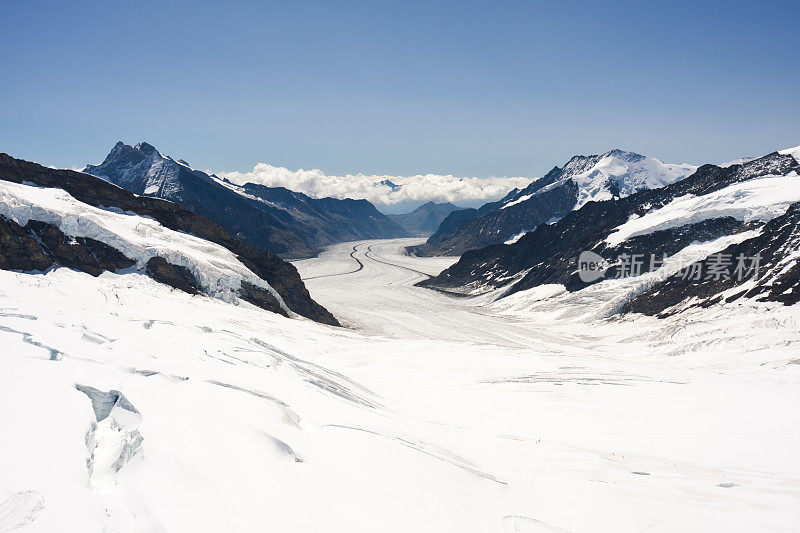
(794, 152)
(218, 271)
(760, 199)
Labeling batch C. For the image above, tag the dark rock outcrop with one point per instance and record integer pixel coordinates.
(39, 246)
(777, 279)
(260, 297)
(176, 276)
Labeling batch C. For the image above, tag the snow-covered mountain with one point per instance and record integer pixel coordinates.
(667, 239)
(615, 174)
(276, 219)
(52, 218)
(612, 175)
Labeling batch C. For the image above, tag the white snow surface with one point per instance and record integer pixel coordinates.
(216, 269)
(630, 175)
(760, 199)
(429, 413)
(794, 152)
(516, 237)
(517, 201)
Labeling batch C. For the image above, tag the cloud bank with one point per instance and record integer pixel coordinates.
(377, 189)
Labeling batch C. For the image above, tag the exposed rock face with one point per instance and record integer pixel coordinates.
(549, 254)
(22, 250)
(176, 276)
(260, 297)
(19, 249)
(272, 218)
(615, 174)
(39, 246)
(424, 220)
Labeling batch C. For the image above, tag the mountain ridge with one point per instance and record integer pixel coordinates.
(297, 227)
(739, 202)
(37, 242)
(425, 219)
(613, 174)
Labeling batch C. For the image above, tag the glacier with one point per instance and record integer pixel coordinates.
(429, 412)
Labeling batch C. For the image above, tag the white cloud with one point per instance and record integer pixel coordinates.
(421, 188)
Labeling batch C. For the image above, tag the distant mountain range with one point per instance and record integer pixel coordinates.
(611, 206)
(52, 218)
(276, 219)
(424, 220)
(742, 216)
(614, 174)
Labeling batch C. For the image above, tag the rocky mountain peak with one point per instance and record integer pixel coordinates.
(125, 155)
(140, 168)
(145, 148)
(630, 157)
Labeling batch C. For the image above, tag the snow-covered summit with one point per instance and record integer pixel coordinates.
(614, 174)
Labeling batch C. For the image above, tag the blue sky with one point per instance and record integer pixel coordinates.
(469, 88)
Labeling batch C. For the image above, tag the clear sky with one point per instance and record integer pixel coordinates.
(469, 88)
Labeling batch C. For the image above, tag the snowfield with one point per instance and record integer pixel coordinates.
(760, 199)
(128, 406)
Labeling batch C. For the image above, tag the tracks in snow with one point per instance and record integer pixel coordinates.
(369, 249)
(20, 509)
(360, 263)
(353, 255)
